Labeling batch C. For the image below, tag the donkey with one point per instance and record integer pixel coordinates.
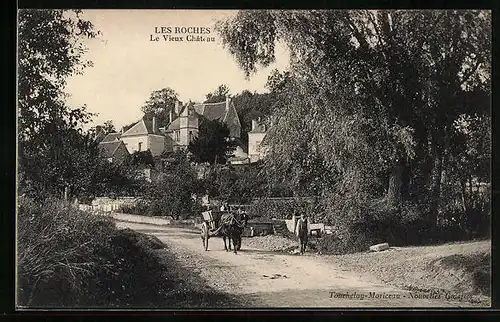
(232, 226)
(302, 232)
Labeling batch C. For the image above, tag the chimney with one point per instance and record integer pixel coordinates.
(228, 100)
(155, 130)
(254, 125)
(177, 107)
(98, 129)
(123, 130)
(170, 117)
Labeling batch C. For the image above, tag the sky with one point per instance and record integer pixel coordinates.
(128, 66)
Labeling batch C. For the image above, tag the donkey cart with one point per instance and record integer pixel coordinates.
(212, 226)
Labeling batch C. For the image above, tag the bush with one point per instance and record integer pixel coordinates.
(157, 209)
(57, 251)
(279, 208)
(360, 222)
(141, 208)
(69, 258)
(333, 245)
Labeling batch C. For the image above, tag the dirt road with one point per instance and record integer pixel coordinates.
(268, 279)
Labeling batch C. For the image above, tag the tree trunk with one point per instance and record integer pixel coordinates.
(396, 183)
(435, 185)
(470, 186)
(464, 198)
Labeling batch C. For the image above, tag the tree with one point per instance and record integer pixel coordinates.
(172, 191)
(252, 106)
(219, 95)
(160, 104)
(109, 127)
(377, 88)
(212, 144)
(50, 49)
(141, 159)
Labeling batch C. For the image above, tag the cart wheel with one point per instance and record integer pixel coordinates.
(204, 235)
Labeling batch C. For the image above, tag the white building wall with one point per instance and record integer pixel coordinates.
(132, 143)
(155, 143)
(255, 151)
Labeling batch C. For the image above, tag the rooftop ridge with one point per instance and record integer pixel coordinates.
(198, 104)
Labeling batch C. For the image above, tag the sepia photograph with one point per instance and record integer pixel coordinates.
(253, 159)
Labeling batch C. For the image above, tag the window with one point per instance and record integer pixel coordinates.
(190, 136)
(177, 136)
(140, 146)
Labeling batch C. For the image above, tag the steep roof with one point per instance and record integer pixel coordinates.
(212, 111)
(111, 137)
(108, 149)
(143, 127)
(175, 125)
(100, 135)
(218, 111)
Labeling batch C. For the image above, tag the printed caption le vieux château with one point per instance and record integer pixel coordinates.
(191, 34)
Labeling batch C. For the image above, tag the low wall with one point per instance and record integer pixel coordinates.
(290, 225)
(258, 228)
(321, 227)
(141, 219)
(110, 204)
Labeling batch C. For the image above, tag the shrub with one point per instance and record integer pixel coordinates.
(360, 222)
(141, 208)
(156, 209)
(57, 251)
(278, 208)
(69, 258)
(332, 244)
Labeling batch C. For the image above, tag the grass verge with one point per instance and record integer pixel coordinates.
(71, 259)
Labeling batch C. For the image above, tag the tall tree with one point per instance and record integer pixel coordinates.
(172, 191)
(219, 95)
(109, 127)
(373, 91)
(212, 144)
(252, 106)
(50, 49)
(160, 104)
